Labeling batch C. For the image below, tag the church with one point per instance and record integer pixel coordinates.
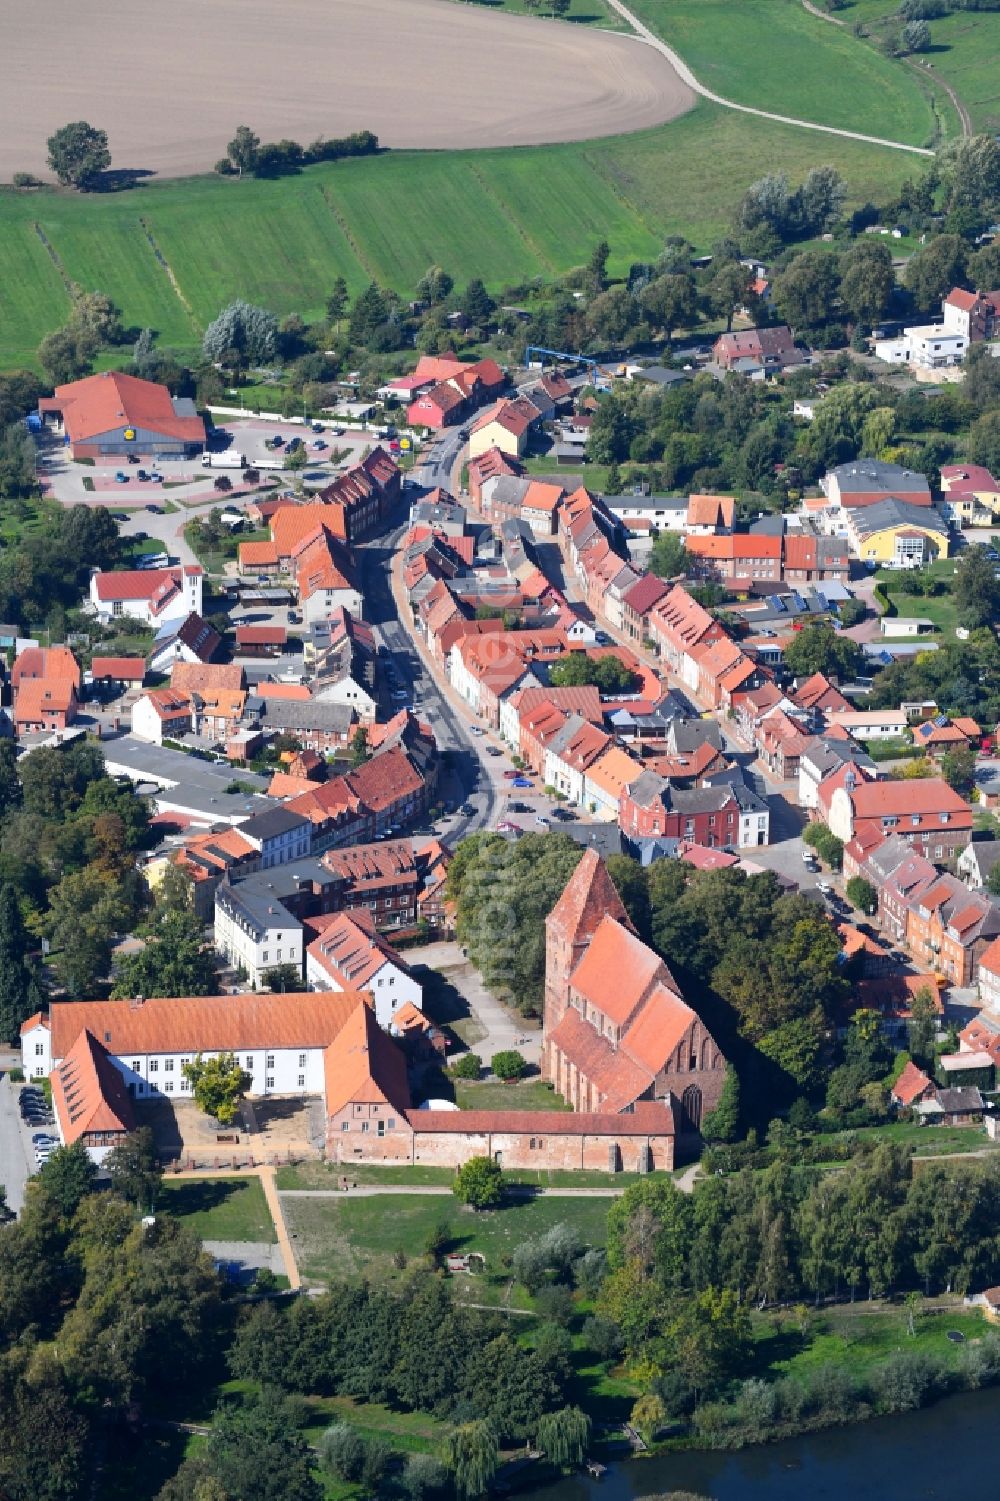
(618, 1032)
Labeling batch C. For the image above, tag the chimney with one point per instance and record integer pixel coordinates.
(136, 1002)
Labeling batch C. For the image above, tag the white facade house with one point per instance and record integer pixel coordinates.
(350, 955)
(320, 603)
(255, 933)
(465, 683)
(871, 724)
(278, 835)
(278, 1067)
(989, 978)
(347, 690)
(929, 346)
(152, 595)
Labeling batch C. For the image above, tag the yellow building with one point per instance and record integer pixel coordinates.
(506, 426)
(971, 494)
(894, 534)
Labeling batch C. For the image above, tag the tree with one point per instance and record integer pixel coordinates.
(984, 441)
(336, 303)
(472, 1454)
(241, 335)
(479, 1183)
(977, 588)
(68, 1177)
(560, 7)
(818, 648)
(435, 285)
(254, 1452)
(613, 315)
(597, 267)
(820, 199)
(806, 293)
(670, 302)
(177, 960)
(867, 281)
(765, 204)
(576, 670)
(564, 1436)
(613, 427)
(508, 1064)
(297, 459)
(369, 312)
(993, 881)
(283, 977)
(86, 909)
(921, 1029)
(359, 746)
(916, 36)
(729, 289)
(723, 1123)
(44, 1441)
(134, 1168)
(218, 1085)
(862, 894)
(476, 303)
(21, 990)
(78, 154)
(242, 150)
(935, 268)
(648, 1415)
(958, 767)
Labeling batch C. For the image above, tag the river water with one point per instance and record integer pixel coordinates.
(941, 1453)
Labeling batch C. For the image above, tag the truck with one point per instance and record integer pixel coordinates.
(229, 459)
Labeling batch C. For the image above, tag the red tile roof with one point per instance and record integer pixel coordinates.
(123, 669)
(101, 403)
(89, 1093)
(910, 1085)
(617, 971)
(261, 635)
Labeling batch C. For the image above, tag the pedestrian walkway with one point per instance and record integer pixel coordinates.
(267, 1182)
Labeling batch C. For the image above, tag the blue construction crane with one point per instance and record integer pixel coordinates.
(559, 354)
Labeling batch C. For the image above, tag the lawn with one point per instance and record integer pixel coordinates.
(530, 1094)
(859, 1337)
(352, 1237)
(508, 216)
(774, 55)
(964, 51)
(220, 1208)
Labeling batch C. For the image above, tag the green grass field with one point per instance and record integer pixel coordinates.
(220, 1208)
(583, 12)
(860, 1337)
(507, 216)
(965, 47)
(774, 55)
(354, 1237)
(530, 1094)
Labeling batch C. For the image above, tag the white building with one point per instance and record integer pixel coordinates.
(152, 595)
(282, 1041)
(279, 836)
(350, 955)
(929, 346)
(347, 690)
(255, 932)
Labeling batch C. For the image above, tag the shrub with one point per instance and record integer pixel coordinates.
(603, 1336)
(555, 1303)
(469, 1066)
(342, 1450)
(508, 1064)
(16, 1075)
(26, 180)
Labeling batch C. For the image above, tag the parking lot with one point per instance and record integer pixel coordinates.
(17, 1152)
(189, 481)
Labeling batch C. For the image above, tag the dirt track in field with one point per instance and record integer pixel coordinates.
(170, 79)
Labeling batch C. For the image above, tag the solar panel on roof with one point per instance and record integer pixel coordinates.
(941, 720)
(798, 601)
(822, 600)
(776, 602)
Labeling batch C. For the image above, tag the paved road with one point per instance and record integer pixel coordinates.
(470, 778)
(15, 1145)
(686, 76)
(504, 1028)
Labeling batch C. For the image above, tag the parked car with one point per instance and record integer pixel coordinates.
(133, 458)
(510, 775)
(541, 818)
(493, 750)
(518, 808)
(156, 510)
(522, 782)
(121, 478)
(277, 441)
(824, 887)
(317, 427)
(319, 446)
(475, 730)
(155, 477)
(564, 815)
(467, 810)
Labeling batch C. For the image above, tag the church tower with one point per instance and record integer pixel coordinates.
(590, 894)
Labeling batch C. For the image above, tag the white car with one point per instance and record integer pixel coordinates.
(824, 887)
(541, 818)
